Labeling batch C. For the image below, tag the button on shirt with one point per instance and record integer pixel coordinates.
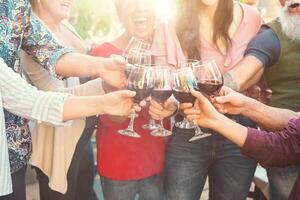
(20, 29)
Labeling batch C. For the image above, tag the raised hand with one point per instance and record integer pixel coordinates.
(112, 71)
(118, 103)
(231, 102)
(202, 113)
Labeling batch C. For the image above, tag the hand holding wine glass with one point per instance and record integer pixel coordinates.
(162, 91)
(184, 81)
(209, 82)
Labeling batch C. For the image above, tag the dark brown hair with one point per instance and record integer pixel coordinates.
(188, 25)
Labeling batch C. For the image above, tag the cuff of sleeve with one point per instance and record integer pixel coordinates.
(264, 58)
(54, 58)
(251, 145)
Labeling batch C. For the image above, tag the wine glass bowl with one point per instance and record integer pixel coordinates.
(209, 81)
(139, 81)
(209, 78)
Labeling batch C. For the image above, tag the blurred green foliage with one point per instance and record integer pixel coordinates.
(94, 18)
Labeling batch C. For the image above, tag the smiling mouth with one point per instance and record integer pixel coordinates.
(294, 5)
(140, 21)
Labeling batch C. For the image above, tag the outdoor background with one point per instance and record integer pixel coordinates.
(96, 21)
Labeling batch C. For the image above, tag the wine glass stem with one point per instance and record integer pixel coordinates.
(152, 122)
(161, 124)
(131, 123)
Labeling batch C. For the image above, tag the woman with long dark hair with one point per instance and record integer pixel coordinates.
(219, 30)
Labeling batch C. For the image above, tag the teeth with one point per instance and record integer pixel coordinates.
(140, 19)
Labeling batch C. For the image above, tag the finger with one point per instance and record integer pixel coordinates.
(198, 95)
(154, 116)
(119, 60)
(143, 103)
(156, 105)
(156, 111)
(186, 106)
(222, 99)
(193, 117)
(192, 112)
(137, 108)
(127, 93)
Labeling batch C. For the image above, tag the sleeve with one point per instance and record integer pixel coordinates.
(90, 88)
(265, 46)
(41, 45)
(26, 101)
(275, 149)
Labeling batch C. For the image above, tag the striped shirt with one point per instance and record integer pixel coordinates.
(24, 100)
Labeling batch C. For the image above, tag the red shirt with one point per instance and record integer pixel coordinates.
(121, 157)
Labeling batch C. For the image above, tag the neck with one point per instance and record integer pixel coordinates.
(208, 12)
(52, 23)
(122, 41)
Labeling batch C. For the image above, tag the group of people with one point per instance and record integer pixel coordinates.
(39, 45)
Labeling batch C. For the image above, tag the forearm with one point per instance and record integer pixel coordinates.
(89, 106)
(79, 65)
(245, 74)
(268, 117)
(230, 129)
(90, 88)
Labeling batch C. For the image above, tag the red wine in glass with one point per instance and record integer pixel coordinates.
(209, 87)
(161, 95)
(141, 93)
(183, 97)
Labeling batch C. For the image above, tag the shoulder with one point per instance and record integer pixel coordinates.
(252, 15)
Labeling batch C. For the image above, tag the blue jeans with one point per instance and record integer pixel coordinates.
(188, 164)
(147, 189)
(282, 181)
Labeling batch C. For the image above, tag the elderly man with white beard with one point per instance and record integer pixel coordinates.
(275, 52)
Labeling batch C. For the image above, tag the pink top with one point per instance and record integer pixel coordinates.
(248, 28)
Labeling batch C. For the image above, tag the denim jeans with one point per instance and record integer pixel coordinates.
(147, 189)
(281, 181)
(188, 164)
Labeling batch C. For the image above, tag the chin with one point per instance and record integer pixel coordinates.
(290, 23)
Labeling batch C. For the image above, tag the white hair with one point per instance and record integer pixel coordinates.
(290, 23)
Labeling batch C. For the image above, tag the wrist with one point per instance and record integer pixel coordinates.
(216, 121)
(98, 65)
(100, 105)
(248, 107)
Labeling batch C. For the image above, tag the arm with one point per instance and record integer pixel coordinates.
(263, 51)
(25, 100)
(268, 117)
(39, 43)
(281, 148)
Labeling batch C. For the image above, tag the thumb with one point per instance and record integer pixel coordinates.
(128, 94)
(198, 95)
(119, 60)
(223, 99)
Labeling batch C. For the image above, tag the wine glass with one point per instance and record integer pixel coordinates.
(140, 81)
(140, 57)
(184, 81)
(136, 43)
(162, 91)
(209, 82)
